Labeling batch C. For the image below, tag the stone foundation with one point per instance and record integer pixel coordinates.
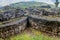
(51, 27)
(16, 27)
(11, 30)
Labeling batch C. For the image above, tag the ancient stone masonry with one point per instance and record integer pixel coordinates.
(14, 28)
(35, 18)
(44, 25)
(11, 14)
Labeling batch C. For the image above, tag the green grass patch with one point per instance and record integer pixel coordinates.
(28, 36)
(35, 35)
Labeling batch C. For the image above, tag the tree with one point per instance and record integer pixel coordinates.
(57, 3)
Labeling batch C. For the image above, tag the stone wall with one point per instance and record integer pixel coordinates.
(16, 27)
(11, 14)
(11, 30)
(51, 27)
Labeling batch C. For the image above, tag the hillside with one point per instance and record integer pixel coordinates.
(28, 4)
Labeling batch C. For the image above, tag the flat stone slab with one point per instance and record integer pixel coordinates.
(46, 18)
(14, 22)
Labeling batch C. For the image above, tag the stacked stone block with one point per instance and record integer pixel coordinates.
(51, 27)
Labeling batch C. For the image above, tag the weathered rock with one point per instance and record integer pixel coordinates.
(12, 28)
(10, 14)
(44, 25)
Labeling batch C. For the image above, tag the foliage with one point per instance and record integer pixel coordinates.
(37, 36)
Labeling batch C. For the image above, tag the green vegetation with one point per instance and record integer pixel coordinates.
(32, 35)
(24, 5)
(57, 3)
(29, 4)
(35, 35)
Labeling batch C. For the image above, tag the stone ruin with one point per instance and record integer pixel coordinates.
(44, 25)
(51, 26)
(12, 28)
(11, 14)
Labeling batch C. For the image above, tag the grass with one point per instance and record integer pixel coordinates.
(29, 37)
(35, 35)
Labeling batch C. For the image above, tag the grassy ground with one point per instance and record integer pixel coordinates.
(32, 35)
